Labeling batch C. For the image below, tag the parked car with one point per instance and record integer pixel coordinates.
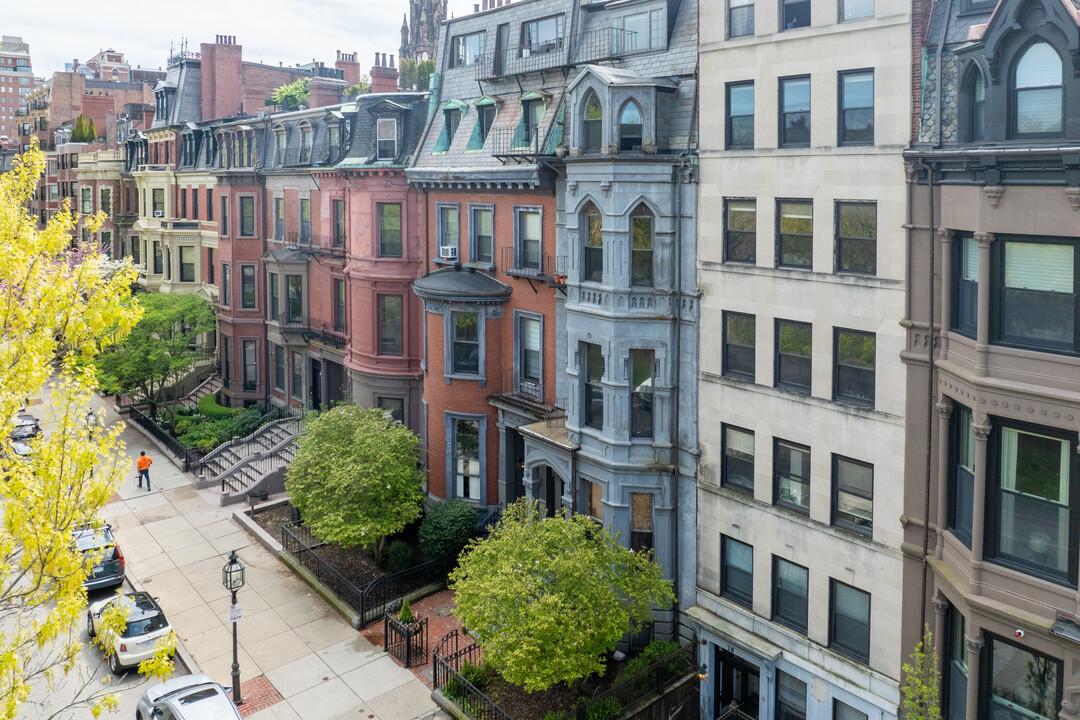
(108, 569)
(146, 624)
(191, 697)
(26, 427)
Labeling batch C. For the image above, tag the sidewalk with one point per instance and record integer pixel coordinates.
(299, 660)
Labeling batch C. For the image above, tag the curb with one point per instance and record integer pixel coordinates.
(182, 655)
(342, 608)
(243, 518)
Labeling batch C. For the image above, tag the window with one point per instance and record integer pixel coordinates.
(740, 115)
(481, 230)
(226, 358)
(791, 471)
(337, 211)
(194, 203)
(247, 216)
(297, 375)
(392, 405)
(1034, 299)
(387, 139)
(224, 216)
(790, 601)
(642, 363)
(294, 299)
(795, 234)
(247, 287)
(158, 195)
(528, 240)
(740, 18)
(795, 111)
(274, 297)
(279, 218)
(594, 392)
(853, 10)
(279, 367)
(1039, 93)
(391, 329)
(954, 685)
(641, 252)
(593, 264)
(1041, 696)
(736, 571)
(740, 231)
(159, 259)
(737, 464)
(1033, 519)
(977, 106)
(467, 49)
(448, 231)
(225, 284)
(795, 14)
(853, 495)
(467, 459)
(87, 201)
(790, 695)
(333, 141)
(209, 204)
(641, 525)
(339, 305)
(856, 122)
(532, 112)
(305, 143)
(251, 368)
(853, 374)
(849, 620)
(965, 309)
(596, 499)
(630, 124)
(465, 351)
(794, 341)
(451, 120)
(961, 473)
(530, 356)
(279, 139)
(843, 711)
(305, 220)
(739, 345)
(187, 263)
(539, 36)
(856, 237)
(485, 118)
(389, 229)
(594, 124)
(183, 203)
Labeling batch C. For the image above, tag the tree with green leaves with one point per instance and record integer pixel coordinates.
(922, 681)
(415, 74)
(362, 87)
(91, 131)
(548, 598)
(161, 349)
(355, 479)
(78, 132)
(292, 95)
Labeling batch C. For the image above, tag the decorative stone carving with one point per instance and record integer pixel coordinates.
(648, 147)
(1073, 193)
(981, 431)
(571, 186)
(944, 409)
(941, 605)
(609, 149)
(945, 235)
(974, 644)
(993, 194)
(983, 238)
(575, 151)
(605, 187)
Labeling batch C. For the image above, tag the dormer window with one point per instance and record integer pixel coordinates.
(540, 36)
(484, 120)
(305, 143)
(977, 99)
(594, 123)
(386, 139)
(467, 49)
(333, 140)
(279, 140)
(452, 120)
(1038, 93)
(630, 127)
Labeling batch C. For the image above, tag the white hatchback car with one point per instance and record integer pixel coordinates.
(146, 624)
(190, 697)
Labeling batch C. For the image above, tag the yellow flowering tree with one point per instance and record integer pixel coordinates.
(57, 309)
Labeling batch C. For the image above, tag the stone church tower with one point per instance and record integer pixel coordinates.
(420, 31)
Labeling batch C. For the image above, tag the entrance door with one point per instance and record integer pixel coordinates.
(316, 384)
(736, 682)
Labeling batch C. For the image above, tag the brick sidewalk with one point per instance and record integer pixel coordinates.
(437, 609)
(258, 694)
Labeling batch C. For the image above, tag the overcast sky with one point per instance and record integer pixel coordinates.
(270, 31)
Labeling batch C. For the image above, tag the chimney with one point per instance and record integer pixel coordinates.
(324, 91)
(384, 76)
(222, 89)
(349, 67)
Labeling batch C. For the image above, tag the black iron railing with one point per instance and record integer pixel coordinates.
(531, 263)
(188, 457)
(322, 330)
(649, 682)
(520, 59)
(406, 642)
(446, 676)
(608, 44)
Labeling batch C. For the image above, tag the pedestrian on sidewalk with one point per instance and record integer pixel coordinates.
(143, 465)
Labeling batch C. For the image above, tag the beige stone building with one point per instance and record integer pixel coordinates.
(806, 111)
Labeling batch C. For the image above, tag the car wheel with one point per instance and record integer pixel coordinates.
(115, 666)
(90, 624)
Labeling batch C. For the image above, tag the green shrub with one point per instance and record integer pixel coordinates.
(208, 406)
(555, 715)
(479, 676)
(399, 556)
(446, 528)
(606, 709)
(654, 651)
(405, 615)
(185, 411)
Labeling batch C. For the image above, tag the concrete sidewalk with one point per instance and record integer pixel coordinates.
(299, 660)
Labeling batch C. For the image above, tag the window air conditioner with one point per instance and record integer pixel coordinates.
(159, 213)
(448, 252)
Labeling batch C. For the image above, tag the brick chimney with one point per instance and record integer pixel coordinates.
(324, 91)
(384, 76)
(222, 78)
(348, 65)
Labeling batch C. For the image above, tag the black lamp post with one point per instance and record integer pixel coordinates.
(232, 577)
(91, 425)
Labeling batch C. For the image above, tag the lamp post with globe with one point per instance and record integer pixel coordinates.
(232, 577)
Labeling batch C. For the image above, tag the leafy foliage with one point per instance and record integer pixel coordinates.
(363, 87)
(292, 95)
(405, 615)
(548, 598)
(208, 434)
(414, 75)
(447, 527)
(922, 681)
(355, 478)
(653, 652)
(57, 308)
(111, 626)
(399, 556)
(208, 406)
(606, 709)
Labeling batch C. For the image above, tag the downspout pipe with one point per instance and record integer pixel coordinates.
(930, 384)
(682, 169)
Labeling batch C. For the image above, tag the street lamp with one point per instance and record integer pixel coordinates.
(91, 424)
(232, 577)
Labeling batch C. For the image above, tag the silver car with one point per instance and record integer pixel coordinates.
(146, 624)
(191, 697)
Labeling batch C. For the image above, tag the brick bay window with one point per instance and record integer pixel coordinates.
(465, 344)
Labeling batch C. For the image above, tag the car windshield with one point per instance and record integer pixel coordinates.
(144, 625)
(92, 541)
(198, 695)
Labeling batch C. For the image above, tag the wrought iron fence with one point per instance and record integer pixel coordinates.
(531, 263)
(650, 681)
(301, 544)
(239, 449)
(446, 676)
(306, 326)
(406, 642)
(605, 44)
(517, 59)
(188, 457)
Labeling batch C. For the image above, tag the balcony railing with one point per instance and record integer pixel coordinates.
(531, 263)
(604, 44)
(320, 244)
(516, 60)
(314, 329)
(515, 385)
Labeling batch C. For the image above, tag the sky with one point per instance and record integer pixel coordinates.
(270, 31)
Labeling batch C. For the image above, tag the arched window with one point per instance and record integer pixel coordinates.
(641, 255)
(593, 123)
(305, 142)
(977, 106)
(630, 127)
(591, 228)
(1038, 92)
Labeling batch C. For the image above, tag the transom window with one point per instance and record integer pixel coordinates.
(630, 124)
(1039, 93)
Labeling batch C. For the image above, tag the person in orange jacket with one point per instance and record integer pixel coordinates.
(143, 465)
